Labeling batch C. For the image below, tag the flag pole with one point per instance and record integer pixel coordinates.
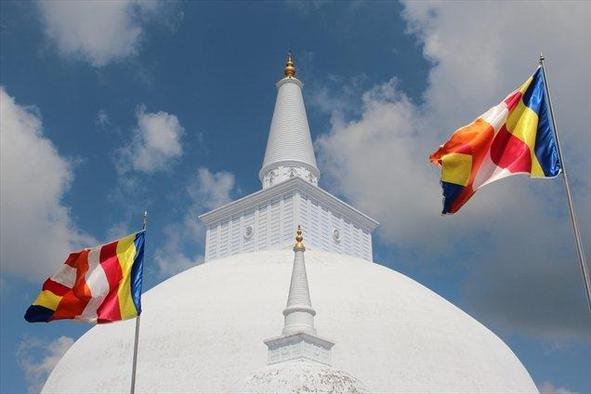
(571, 207)
(137, 330)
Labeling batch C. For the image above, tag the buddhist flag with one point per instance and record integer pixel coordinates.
(98, 285)
(514, 137)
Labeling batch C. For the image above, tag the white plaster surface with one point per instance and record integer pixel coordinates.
(203, 330)
(289, 145)
(273, 215)
(300, 377)
(299, 346)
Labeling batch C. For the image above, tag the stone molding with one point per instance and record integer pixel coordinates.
(299, 346)
(294, 184)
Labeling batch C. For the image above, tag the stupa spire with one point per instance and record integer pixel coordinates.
(299, 314)
(289, 150)
(290, 196)
(298, 339)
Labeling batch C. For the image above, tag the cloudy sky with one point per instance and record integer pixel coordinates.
(111, 108)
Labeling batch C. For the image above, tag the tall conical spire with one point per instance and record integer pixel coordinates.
(298, 339)
(299, 314)
(289, 150)
(290, 194)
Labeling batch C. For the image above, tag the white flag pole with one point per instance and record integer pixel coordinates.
(137, 330)
(571, 207)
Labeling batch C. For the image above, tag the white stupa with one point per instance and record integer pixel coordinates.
(217, 327)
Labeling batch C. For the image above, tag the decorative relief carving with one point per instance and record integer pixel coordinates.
(283, 173)
(336, 235)
(248, 232)
(301, 347)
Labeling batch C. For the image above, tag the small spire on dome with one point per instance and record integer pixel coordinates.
(298, 339)
(299, 245)
(289, 71)
(299, 314)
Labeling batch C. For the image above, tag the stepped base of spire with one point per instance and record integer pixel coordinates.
(299, 308)
(299, 319)
(299, 345)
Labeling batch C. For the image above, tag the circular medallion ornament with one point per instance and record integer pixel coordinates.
(336, 235)
(248, 232)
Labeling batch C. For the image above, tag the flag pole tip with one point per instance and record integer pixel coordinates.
(542, 58)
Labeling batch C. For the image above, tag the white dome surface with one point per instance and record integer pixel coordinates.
(203, 331)
(300, 377)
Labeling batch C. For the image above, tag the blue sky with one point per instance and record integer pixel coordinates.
(110, 109)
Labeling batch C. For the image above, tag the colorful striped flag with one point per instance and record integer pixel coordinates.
(514, 137)
(98, 285)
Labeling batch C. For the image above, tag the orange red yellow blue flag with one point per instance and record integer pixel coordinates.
(98, 285)
(514, 137)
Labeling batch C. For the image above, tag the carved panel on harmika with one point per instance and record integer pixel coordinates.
(284, 173)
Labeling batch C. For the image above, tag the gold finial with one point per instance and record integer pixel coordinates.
(299, 239)
(289, 71)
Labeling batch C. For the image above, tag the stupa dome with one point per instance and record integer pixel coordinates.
(202, 331)
(207, 329)
(300, 377)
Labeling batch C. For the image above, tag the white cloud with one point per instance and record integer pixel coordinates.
(155, 144)
(37, 358)
(206, 191)
(173, 257)
(549, 388)
(513, 238)
(120, 228)
(211, 190)
(97, 31)
(397, 173)
(37, 230)
(102, 120)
